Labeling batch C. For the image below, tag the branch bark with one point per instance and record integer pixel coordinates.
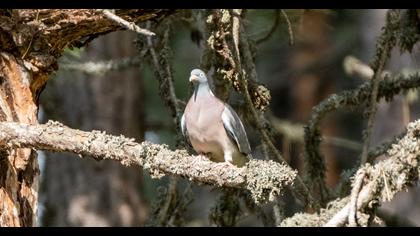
(264, 179)
(31, 41)
(381, 183)
(388, 88)
(18, 167)
(39, 37)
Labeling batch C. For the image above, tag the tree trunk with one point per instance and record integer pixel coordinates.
(18, 167)
(86, 192)
(31, 41)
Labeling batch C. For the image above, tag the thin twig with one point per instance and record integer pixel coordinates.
(237, 33)
(128, 25)
(358, 184)
(315, 161)
(373, 104)
(352, 98)
(32, 38)
(170, 195)
(165, 78)
(354, 66)
(343, 143)
(400, 169)
(168, 95)
(289, 27)
(385, 43)
(294, 132)
(102, 67)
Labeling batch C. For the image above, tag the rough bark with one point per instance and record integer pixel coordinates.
(31, 41)
(19, 167)
(264, 179)
(40, 36)
(398, 172)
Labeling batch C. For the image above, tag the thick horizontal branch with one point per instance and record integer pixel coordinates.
(264, 179)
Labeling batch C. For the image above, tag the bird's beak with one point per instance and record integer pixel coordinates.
(195, 91)
(193, 78)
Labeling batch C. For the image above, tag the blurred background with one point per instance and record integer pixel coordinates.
(84, 192)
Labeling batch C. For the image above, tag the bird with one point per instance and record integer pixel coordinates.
(212, 127)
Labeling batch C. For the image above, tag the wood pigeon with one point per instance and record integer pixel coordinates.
(212, 127)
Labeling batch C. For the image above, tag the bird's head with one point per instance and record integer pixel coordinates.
(198, 77)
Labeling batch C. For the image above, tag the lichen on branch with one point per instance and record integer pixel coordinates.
(158, 159)
(388, 88)
(381, 183)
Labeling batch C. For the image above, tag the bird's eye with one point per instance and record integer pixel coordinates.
(201, 75)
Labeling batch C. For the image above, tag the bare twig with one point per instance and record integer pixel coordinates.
(128, 25)
(101, 67)
(343, 143)
(32, 38)
(163, 70)
(165, 78)
(289, 27)
(357, 186)
(354, 66)
(294, 132)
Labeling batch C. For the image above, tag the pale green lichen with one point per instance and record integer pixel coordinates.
(316, 219)
(225, 16)
(266, 180)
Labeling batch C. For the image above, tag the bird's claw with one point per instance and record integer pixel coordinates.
(200, 158)
(222, 165)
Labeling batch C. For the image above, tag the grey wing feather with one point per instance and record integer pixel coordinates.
(235, 129)
(184, 130)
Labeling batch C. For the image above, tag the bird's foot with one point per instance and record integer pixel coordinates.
(200, 158)
(223, 165)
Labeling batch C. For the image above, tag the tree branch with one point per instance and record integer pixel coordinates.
(381, 183)
(384, 48)
(129, 25)
(388, 88)
(102, 67)
(264, 179)
(388, 177)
